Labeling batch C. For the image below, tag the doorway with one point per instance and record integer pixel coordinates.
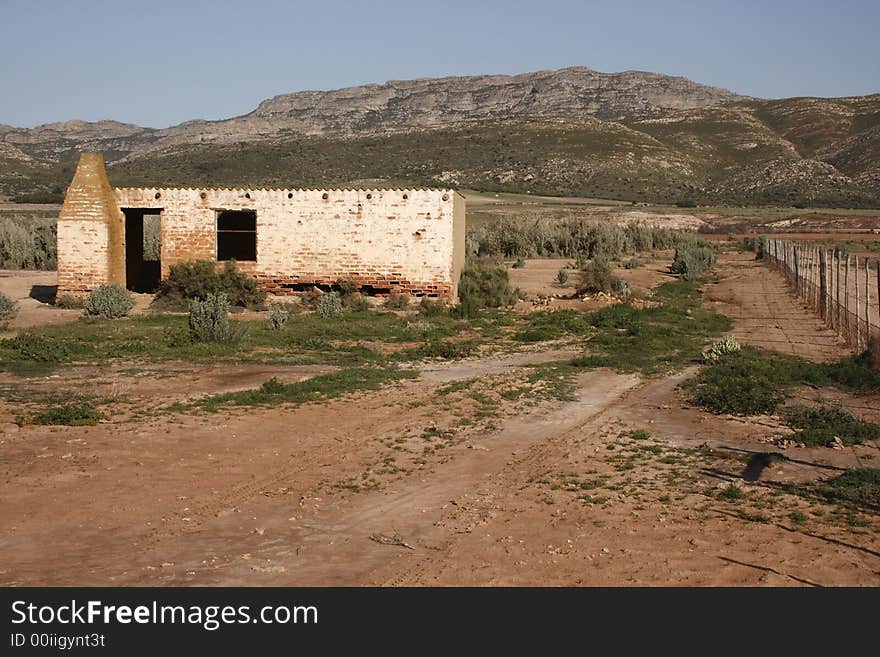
(143, 248)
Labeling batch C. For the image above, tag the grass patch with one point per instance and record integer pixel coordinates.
(72, 414)
(860, 486)
(752, 381)
(163, 337)
(325, 386)
(636, 434)
(653, 340)
(819, 426)
(732, 493)
(440, 349)
(541, 326)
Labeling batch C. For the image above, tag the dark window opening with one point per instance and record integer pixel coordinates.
(143, 249)
(373, 291)
(236, 235)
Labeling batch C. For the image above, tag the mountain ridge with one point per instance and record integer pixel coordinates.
(632, 135)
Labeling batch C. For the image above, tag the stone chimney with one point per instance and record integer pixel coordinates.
(91, 229)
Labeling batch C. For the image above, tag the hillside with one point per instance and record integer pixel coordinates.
(632, 136)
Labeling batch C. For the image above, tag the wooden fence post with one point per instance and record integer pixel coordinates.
(846, 323)
(823, 289)
(858, 305)
(837, 288)
(868, 301)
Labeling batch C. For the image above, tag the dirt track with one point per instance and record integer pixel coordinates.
(278, 496)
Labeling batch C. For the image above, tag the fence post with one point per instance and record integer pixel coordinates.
(837, 288)
(868, 301)
(846, 323)
(858, 304)
(823, 287)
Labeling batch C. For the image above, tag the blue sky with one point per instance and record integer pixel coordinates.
(159, 62)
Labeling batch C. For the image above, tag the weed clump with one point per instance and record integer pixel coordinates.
(715, 351)
(731, 493)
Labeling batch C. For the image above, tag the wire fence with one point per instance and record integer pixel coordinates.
(844, 290)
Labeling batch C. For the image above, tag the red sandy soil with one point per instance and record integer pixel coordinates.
(345, 491)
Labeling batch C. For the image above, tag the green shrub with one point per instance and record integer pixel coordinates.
(209, 319)
(397, 301)
(562, 277)
(519, 264)
(109, 301)
(278, 317)
(633, 263)
(485, 286)
(198, 279)
(329, 305)
(692, 260)
(8, 308)
(595, 277)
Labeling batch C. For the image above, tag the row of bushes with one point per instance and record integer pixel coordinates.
(27, 242)
(566, 238)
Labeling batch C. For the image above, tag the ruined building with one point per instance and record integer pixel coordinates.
(388, 240)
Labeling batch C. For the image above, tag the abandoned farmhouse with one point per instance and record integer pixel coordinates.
(409, 241)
